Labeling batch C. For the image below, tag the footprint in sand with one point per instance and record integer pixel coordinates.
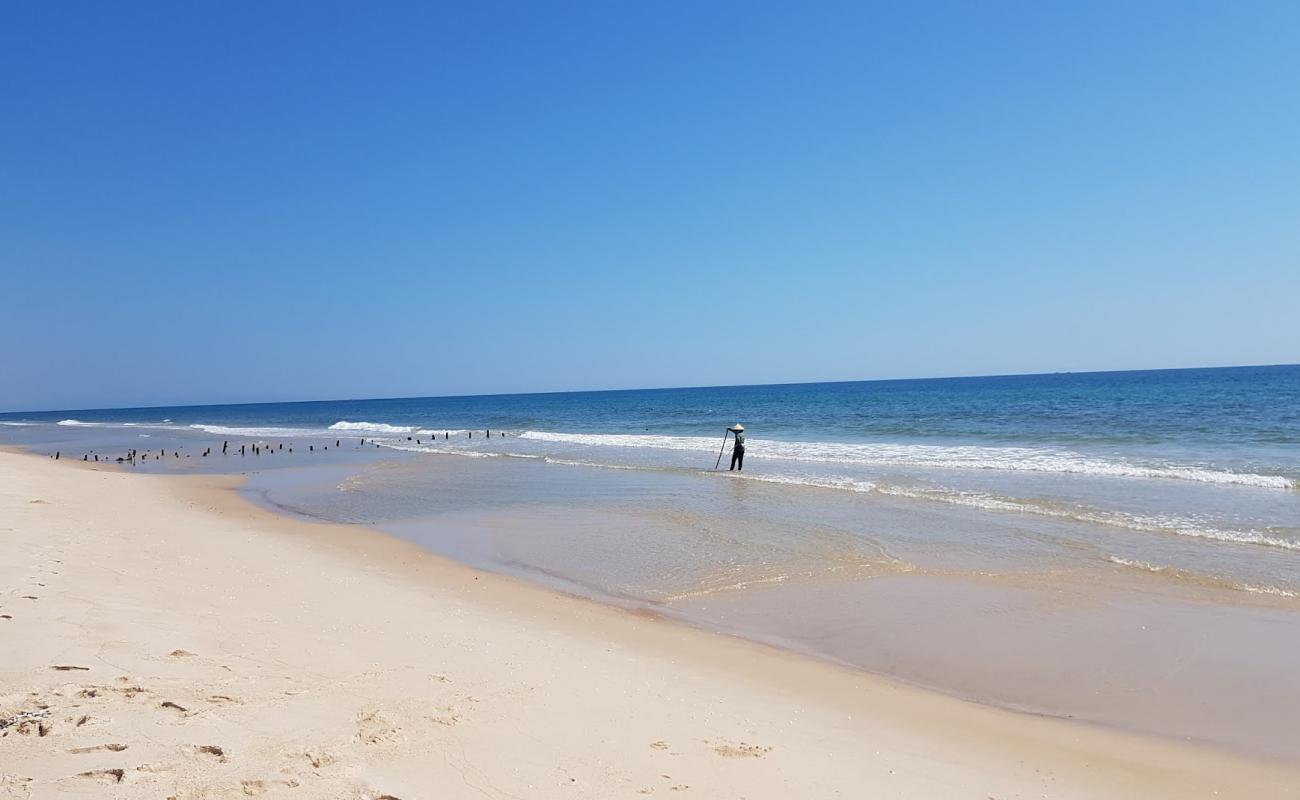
(448, 716)
(129, 692)
(26, 722)
(374, 729)
(252, 788)
(455, 713)
(114, 748)
(104, 775)
(741, 750)
(11, 785)
(318, 760)
(209, 750)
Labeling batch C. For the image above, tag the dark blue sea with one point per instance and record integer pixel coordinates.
(1231, 409)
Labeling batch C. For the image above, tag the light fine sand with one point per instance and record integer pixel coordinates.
(160, 637)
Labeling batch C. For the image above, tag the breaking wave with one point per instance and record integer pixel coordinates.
(376, 427)
(1281, 538)
(965, 457)
(226, 430)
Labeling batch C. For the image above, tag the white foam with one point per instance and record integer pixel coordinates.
(76, 422)
(1276, 591)
(1237, 537)
(1142, 565)
(226, 430)
(1152, 523)
(1181, 526)
(412, 447)
(373, 427)
(1168, 524)
(19, 424)
(571, 462)
(1216, 580)
(821, 481)
(965, 457)
(332, 432)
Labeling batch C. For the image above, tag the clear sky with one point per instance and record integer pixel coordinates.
(224, 202)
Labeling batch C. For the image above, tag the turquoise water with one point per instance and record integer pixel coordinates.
(928, 529)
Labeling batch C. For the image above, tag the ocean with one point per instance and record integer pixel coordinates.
(961, 533)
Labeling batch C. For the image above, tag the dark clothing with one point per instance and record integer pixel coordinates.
(738, 457)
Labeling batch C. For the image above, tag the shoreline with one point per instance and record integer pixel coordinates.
(1102, 644)
(716, 703)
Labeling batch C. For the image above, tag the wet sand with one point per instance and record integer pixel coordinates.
(884, 586)
(1153, 661)
(167, 638)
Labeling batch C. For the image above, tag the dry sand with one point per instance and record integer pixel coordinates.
(160, 637)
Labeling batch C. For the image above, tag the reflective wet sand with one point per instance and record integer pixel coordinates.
(1005, 609)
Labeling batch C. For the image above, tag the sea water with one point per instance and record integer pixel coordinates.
(1104, 545)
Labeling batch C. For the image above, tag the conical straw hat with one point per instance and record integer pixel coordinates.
(737, 427)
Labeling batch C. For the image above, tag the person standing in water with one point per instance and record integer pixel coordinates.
(738, 449)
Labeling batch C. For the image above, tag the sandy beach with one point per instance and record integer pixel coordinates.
(163, 637)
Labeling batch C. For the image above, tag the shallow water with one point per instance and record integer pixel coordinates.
(1005, 608)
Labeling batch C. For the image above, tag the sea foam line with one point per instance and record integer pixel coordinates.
(1203, 578)
(374, 427)
(227, 430)
(984, 501)
(439, 447)
(1151, 524)
(965, 457)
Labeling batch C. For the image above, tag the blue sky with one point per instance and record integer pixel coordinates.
(233, 202)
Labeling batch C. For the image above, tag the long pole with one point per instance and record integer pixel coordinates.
(720, 449)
